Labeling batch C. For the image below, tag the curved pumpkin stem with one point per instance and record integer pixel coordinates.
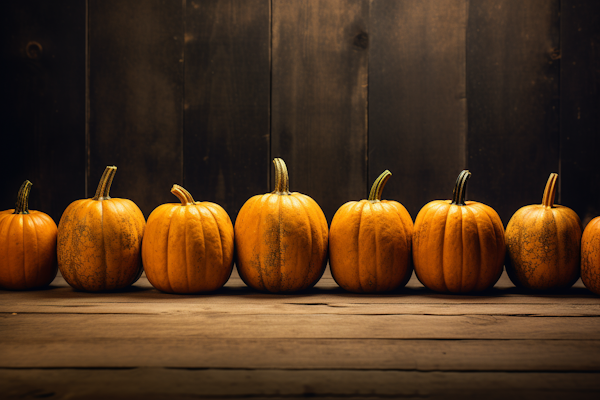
(377, 188)
(22, 206)
(282, 180)
(460, 188)
(183, 195)
(550, 191)
(105, 182)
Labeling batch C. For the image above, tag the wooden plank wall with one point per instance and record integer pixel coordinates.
(206, 93)
(42, 102)
(417, 113)
(580, 106)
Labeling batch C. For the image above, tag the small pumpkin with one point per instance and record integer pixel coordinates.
(590, 256)
(281, 239)
(27, 246)
(458, 245)
(370, 243)
(543, 244)
(188, 247)
(100, 240)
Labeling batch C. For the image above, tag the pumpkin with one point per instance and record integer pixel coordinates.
(100, 239)
(543, 244)
(281, 239)
(27, 246)
(590, 256)
(458, 245)
(188, 247)
(370, 243)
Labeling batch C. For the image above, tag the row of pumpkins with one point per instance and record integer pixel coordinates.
(281, 243)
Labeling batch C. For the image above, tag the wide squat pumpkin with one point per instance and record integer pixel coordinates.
(458, 245)
(27, 246)
(188, 247)
(100, 240)
(543, 244)
(281, 239)
(370, 243)
(590, 256)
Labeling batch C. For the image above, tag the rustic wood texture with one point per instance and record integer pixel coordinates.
(135, 98)
(206, 93)
(417, 103)
(334, 342)
(167, 383)
(42, 103)
(227, 89)
(513, 101)
(319, 97)
(579, 107)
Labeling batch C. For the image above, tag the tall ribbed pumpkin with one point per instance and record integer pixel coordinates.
(27, 246)
(590, 256)
(370, 243)
(543, 244)
(188, 247)
(100, 240)
(281, 239)
(458, 245)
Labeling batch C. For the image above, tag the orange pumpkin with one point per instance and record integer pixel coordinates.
(188, 247)
(370, 243)
(27, 246)
(458, 245)
(543, 244)
(100, 239)
(281, 239)
(590, 256)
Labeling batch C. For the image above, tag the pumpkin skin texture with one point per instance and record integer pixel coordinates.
(590, 256)
(100, 240)
(458, 245)
(281, 239)
(543, 244)
(370, 243)
(27, 246)
(188, 247)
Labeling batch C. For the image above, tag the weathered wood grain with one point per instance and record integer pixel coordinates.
(340, 307)
(579, 105)
(299, 326)
(165, 383)
(311, 354)
(42, 102)
(319, 97)
(326, 295)
(135, 98)
(513, 101)
(227, 88)
(417, 98)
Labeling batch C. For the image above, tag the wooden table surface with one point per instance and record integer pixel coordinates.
(326, 343)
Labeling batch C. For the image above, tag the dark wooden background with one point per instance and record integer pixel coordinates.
(205, 93)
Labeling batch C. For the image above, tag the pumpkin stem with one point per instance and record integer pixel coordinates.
(105, 182)
(550, 191)
(378, 185)
(183, 195)
(22, 206)
(282, 180)
(460, 188)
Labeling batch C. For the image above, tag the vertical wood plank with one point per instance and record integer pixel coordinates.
(227, 89)
(512, 91)
(417, 105)
(319, 97)
(135, 97)
(42, 102)
(580, 107)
